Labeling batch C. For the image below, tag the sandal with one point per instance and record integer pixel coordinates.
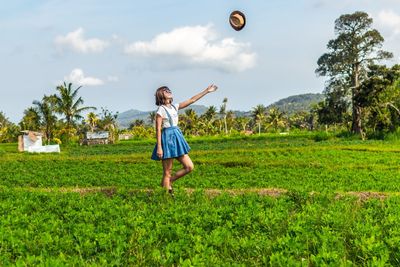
(171, 192)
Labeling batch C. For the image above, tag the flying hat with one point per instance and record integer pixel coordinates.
(237, 20)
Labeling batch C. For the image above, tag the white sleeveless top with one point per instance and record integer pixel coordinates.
(173, 112)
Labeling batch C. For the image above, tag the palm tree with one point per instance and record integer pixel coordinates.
(275, 119)
(229, 120)
(152, 118)
(222, 111)
(191, 120)
(69, 104)
(258, 115)
(210, 113)
(136, 123)
(92, 120)
(207, 120)
(30, 120)
(243, 121)
(108, 122)
(48, 120)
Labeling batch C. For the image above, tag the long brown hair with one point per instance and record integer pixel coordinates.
(160, 99)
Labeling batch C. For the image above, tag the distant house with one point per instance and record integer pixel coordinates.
(96, 138)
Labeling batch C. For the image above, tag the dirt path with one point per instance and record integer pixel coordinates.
(273, 192)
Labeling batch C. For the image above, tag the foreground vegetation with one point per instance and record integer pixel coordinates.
(337, 204)
(145, 229)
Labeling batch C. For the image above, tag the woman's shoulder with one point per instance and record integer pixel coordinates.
(173, 107)
(160, 109)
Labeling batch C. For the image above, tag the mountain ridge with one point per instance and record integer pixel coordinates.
(289, 105)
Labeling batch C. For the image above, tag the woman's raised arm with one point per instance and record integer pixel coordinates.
(211, 88)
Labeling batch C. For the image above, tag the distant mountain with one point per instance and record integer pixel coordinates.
(289, 105)
(296, 103)
(125, 118)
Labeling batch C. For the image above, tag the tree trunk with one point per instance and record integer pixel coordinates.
(226, 126)
(356, 126)
(357, 122)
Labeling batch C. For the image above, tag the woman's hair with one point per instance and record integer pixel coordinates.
(160, 99)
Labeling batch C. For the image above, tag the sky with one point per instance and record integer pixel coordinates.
(121, 51)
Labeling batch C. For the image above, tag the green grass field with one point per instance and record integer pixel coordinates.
(337, 204)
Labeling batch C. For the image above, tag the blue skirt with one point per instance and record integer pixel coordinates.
(173, 144)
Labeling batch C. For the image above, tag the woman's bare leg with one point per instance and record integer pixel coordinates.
(187, 168)
(167, 170)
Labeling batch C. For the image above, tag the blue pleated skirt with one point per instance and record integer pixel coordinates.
(173, 144)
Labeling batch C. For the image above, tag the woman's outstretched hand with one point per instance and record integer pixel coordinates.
(212, 88)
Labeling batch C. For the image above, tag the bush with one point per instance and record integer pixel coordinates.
(348, 135)
(393, 136)
(321, 136)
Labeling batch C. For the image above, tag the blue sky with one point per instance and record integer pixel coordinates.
(121, 51)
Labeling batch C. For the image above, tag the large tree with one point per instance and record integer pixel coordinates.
(356, 47)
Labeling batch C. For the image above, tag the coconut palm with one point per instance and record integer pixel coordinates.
(210, 113)
(242, 122)
(30, 120)
(152, 118)
(92, 120)
(136, 123)
(276, 119)
(258, 114)
(68, 103)
(190, 120)
(230, 119)
(108, 121)
(48, 119)
(206, 121)
(223, 113)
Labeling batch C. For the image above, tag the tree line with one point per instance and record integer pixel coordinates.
(361, 97)
(59, 117)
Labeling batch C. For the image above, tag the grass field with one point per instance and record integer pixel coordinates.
(262, 200)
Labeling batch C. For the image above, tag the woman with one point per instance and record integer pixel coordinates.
(170, 141)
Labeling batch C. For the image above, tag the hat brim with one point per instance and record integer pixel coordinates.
(237, 20)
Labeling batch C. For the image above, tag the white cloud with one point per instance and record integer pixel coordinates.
(75, 40)
(390, 20)
(77, 77)
(196, 46)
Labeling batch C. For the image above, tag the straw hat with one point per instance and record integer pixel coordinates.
(237, 20)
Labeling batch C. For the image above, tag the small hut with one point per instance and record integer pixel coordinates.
(31, 141)
(96, 138)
